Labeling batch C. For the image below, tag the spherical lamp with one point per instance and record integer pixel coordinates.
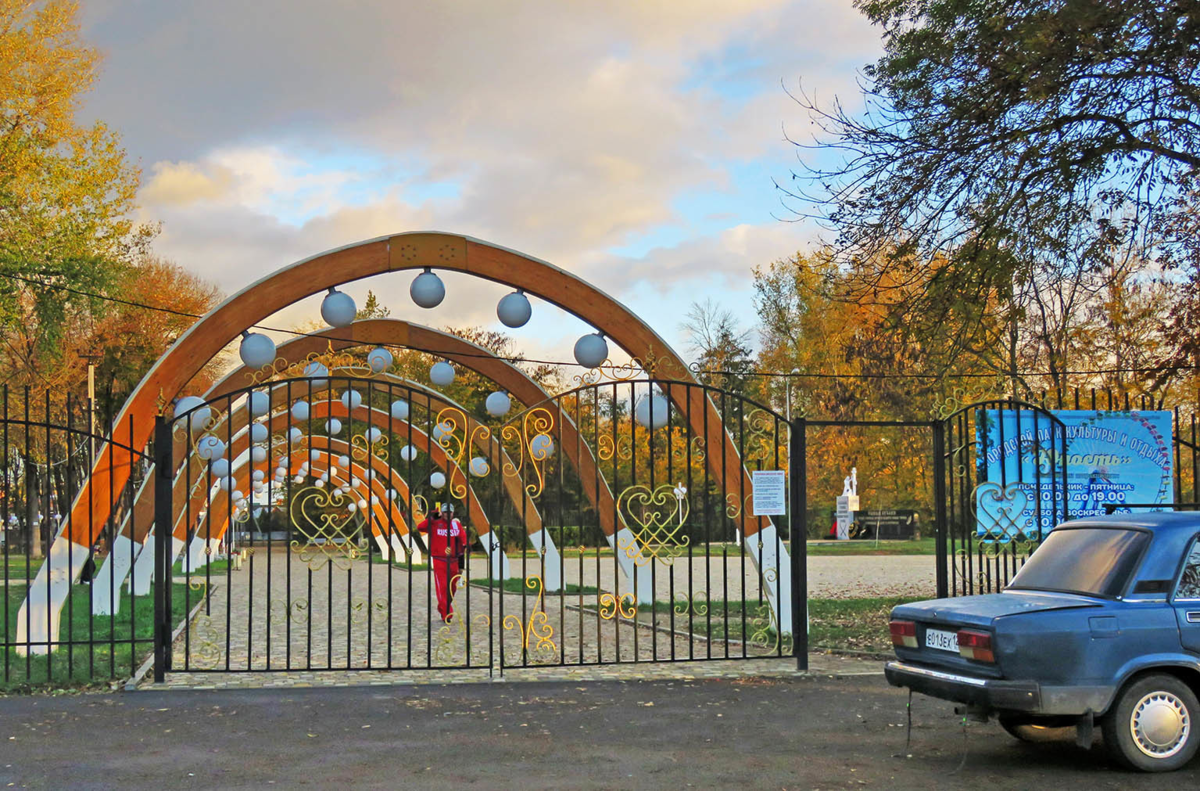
(352, 399)
(479, 467)
(257, 350)
(541, 447)
(437, 480)
(300, 410)
(441, 431)
(591, 350)
(210, 448)
(427, 289)
(258, 432)
(498, 404)
(344, 461)
(316, 372)
(257, 475)
(338, 308)
(514, 309)
(399, 410)
(373, 435)
(333, 426)
(408, 453)
(442, 374)
(259, 403)
(258, 454)
(226, 483)
(651, 411)
(295, 435)
(379, 359)
(219, 468)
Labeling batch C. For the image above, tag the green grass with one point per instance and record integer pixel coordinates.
(924, 546)
(516, 585)
(96, 660)
(213, 569)
(19, 565)
(852, 624)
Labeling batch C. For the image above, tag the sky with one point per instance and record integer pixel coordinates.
(633, 144)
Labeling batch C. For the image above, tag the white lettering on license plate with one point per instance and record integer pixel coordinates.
(942, 641)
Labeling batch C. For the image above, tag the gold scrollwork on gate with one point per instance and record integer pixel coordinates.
(695, 447)
(658, 517)
(607, 447)
(537, 629)
(453, 634)
(696, 604)
(736, 505)
(358, 611)
(761, 440)
(535, 445)
(296, 611)
(345, 362)
(204, 644)
(456, 436)
(1002, 513)
(361, 446)
(611, 606)
(328, 537)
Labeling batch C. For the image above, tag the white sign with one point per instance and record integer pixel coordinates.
(847, 504)
(770, 492)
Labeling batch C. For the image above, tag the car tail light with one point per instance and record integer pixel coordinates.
(904, 634)
(975, 645)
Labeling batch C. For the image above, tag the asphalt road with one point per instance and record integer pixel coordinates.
(751, 733)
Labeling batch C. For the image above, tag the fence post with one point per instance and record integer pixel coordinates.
(939, 506)
(798, 531)
(162, 542)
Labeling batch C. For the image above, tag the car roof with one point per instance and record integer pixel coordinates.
(1152, 520)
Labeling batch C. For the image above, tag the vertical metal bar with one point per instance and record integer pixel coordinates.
(163, 442)
(798, 532)
(939, 504)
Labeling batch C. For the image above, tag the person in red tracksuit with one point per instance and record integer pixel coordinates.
(447, 541)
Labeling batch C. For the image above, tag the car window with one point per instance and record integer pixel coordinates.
(1189, 583)
(1091, 561)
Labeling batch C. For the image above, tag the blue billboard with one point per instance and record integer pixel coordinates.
(1111, 458)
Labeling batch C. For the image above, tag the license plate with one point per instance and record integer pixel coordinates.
(942, 641)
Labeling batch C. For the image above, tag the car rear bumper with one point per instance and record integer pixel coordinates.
(987, 693)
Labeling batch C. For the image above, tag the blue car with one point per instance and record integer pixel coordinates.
(1101, 626)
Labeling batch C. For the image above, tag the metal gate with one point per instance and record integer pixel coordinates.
(1002, 488)
(612, 523)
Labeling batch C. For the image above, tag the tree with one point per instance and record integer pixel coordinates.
(1005, 145)
(720, 347)
(66, 191)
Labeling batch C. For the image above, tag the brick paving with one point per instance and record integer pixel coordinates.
(375, 624)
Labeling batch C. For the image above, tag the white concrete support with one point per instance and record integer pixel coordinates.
(143, 568)
(214, 545)
(38, 618)
(383, 545)
(498, 559)
(402, 545)
(775, 566)
(551, 560)
(634, 565)
(106, 587)
(197, 558)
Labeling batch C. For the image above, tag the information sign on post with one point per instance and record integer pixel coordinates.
(770, 492)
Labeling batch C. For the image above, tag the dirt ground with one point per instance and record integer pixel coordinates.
(805, 733)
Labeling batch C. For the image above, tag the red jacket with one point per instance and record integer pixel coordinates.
(444, 535)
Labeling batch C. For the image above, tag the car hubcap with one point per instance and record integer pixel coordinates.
(1160, 725)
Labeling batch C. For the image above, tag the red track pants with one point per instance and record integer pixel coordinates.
(444, 582)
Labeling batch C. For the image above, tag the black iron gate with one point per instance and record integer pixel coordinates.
(616, 522)
(1002, 488)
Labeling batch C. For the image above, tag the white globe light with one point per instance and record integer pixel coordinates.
(320, 484)
(298, 479)
(258, 432)
(338, 308)
(225, 483)
(362, 504)
(441, 431)
(258, 487)
(199, 419)
(541, 447)
(479, 467)
(314, 455)
(437, 480)
(257, 350)
(427, 290)
(498, 404)
(219, 468)
(393, 494)
(295, 435)
(374, 500)
(400, 410)
(380, 360)
(210, 448)
(408, 453)
(514, 309)
(591, 350)
(257, 475)
(374, 435)
(354, 481)
(325, 477)
(333, 426)
(651, 411)
(316, 372)
(344, 461)
(442, 374)
(259, 403)
(352, 399)
(237, 496)
(300, 410)
(258, 455)
(352, 507)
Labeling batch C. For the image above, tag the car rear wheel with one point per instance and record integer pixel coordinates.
(1026, 731)
(1152, 727)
